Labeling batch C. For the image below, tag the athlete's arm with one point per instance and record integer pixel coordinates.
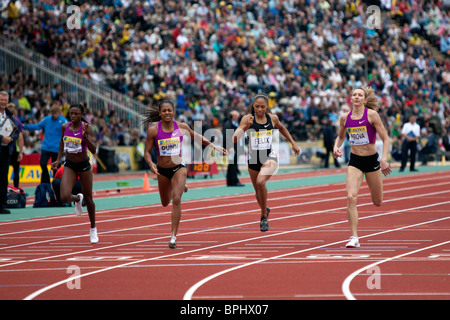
(277, 124)
(198, 137)
(151, 134)
(340, 137)
(55, 164)
(245, 124)
(375, 120)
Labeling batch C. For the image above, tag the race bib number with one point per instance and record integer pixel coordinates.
(261, 140)
(358, 136)
(169, 147)
(72, 144)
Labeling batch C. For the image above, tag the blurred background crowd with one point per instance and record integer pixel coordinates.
(212, 57)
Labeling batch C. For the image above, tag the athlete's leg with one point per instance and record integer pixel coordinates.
(86, 179)
(375, 183)
(267, 170)
(68, 180)
(178, 187)
(165, 190)
(353, 184)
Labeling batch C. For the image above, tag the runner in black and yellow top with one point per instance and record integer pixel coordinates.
(262, 161)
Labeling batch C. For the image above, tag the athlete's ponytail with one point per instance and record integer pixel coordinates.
(371, 99)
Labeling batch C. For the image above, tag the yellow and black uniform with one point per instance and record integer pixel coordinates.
(260, 140)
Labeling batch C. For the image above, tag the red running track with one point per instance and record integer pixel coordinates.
(221, 254)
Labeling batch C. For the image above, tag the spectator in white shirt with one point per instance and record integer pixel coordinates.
(411, 134)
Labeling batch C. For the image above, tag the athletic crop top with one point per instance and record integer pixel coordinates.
(168, 143)
(260, 137)
(360, 132)
(74, 141)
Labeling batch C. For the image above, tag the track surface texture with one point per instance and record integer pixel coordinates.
(221, 254)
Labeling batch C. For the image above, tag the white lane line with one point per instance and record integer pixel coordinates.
(190, 292)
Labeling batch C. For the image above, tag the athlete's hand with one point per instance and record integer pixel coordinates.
(85, 129)
(250, 120)
(220, 149)
(55, 165)
(296, 149)
(154, 169)
(385, 168)
(337, 152)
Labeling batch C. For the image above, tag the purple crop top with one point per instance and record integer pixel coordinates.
(361, 131)
(74, 141)
(168, 143)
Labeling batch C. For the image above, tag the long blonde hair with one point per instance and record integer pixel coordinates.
(371, 98)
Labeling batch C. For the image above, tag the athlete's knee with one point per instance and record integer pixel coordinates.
(65, 198)
(260, 183)
(176, 201)
(165, 203)
(377, 202)
(352, 199)
(88, 200)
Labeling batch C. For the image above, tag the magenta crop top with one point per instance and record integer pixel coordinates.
(360, 132)
(168, 143)
(74, 141)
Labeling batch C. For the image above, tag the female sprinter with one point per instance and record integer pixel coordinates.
(362, 124)
(77, 137)
(166, 137)
(262, 161)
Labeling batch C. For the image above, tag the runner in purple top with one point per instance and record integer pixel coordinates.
(76, 139)
(362, 124)
(166, 136)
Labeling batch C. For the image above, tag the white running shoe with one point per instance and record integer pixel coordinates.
(78, 205)
(173, 242)
(94, 236)
(353, 243)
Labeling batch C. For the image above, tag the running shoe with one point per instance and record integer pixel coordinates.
(353, 243)
(94, 236)
(78, 205)
(173, 242)
(264, 224)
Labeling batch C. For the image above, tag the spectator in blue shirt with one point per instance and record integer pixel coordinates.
(51, 125)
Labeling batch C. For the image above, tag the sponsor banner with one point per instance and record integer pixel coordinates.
(28, 173)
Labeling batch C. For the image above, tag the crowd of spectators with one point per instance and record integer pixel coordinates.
(211, 57)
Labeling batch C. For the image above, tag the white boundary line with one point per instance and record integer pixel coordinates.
(346, 284)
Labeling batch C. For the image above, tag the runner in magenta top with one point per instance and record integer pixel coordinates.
(362, 124)
(360, 131)
(166, 136)
(77, 138)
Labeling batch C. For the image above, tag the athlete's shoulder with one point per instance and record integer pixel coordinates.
(273, 117)
(152, 129)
